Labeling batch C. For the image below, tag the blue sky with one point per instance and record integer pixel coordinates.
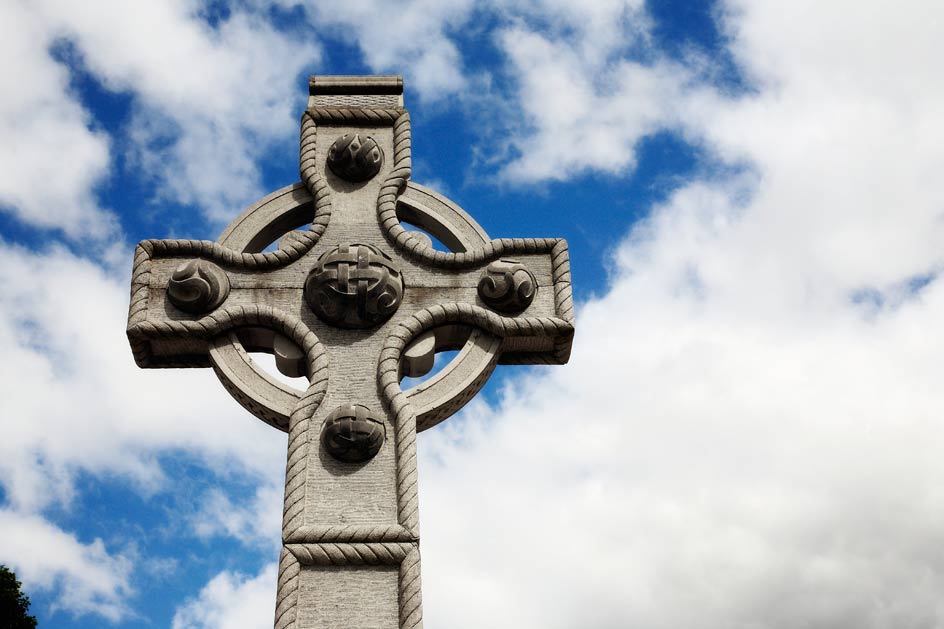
(749, 431)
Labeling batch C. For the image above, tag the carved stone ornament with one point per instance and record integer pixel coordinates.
(507, 286)
(355, 158)
(354, 286)
(352, 434)
(198, 287)
(350, 533)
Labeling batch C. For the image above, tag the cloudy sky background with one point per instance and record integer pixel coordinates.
(750, 431)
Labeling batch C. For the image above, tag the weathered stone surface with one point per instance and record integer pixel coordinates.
(350, 529)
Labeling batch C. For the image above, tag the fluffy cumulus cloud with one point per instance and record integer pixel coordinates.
(587, 84)
(202, 91)
(253, 520)
(231, 601)
(749, 431)
(79, 400)
(50, 158)
(87, 577)
(411, 37)
(207, 102)
(603, 108)
(74, 402)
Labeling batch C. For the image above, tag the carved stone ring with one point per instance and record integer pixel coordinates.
(436, 398)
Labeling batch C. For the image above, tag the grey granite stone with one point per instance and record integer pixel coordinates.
(380, 301)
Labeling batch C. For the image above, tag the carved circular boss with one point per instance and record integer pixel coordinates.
(267, 220)
(198, 287)
(354, 286)
(507, 286)
(355, 158)
(352, 434)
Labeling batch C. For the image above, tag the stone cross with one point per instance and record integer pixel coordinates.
(337, 277)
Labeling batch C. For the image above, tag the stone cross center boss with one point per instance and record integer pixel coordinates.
(354, 302)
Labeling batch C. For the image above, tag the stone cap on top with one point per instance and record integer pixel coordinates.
(382, 91)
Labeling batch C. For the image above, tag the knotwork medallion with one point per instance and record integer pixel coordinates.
(354, 286)
(352, 434)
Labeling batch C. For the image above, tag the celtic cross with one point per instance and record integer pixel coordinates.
(337, 278)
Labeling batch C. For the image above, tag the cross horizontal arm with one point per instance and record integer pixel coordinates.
(455, 279)
(165, 336)
(177, 344)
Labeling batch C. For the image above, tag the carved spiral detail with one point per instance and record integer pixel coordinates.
(355, 158)
(198, 286)
(507, 286)
(352, 434)
(354, 286)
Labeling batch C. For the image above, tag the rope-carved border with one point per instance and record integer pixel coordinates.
(350, 533)
(226, 319)
(397, 402)
(404, 418)
(294, 556)
(340, 545)
(401, 238)
(360, 554)
(292, 251)
(374, 116)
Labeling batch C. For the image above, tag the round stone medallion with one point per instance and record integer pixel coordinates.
(354, 157)
(507, 286)
(352, 434)
(354, 286)
(198, 287)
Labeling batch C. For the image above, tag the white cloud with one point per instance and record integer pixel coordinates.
(255, 521)
(72, 397)
(231, 601)
(410, 37)
(597, 30)
(88, 578)
(581, 115)
(694, 465)
(209, 100)
(737, 441)
(588, 85)
(73, 401)
(50, 158)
